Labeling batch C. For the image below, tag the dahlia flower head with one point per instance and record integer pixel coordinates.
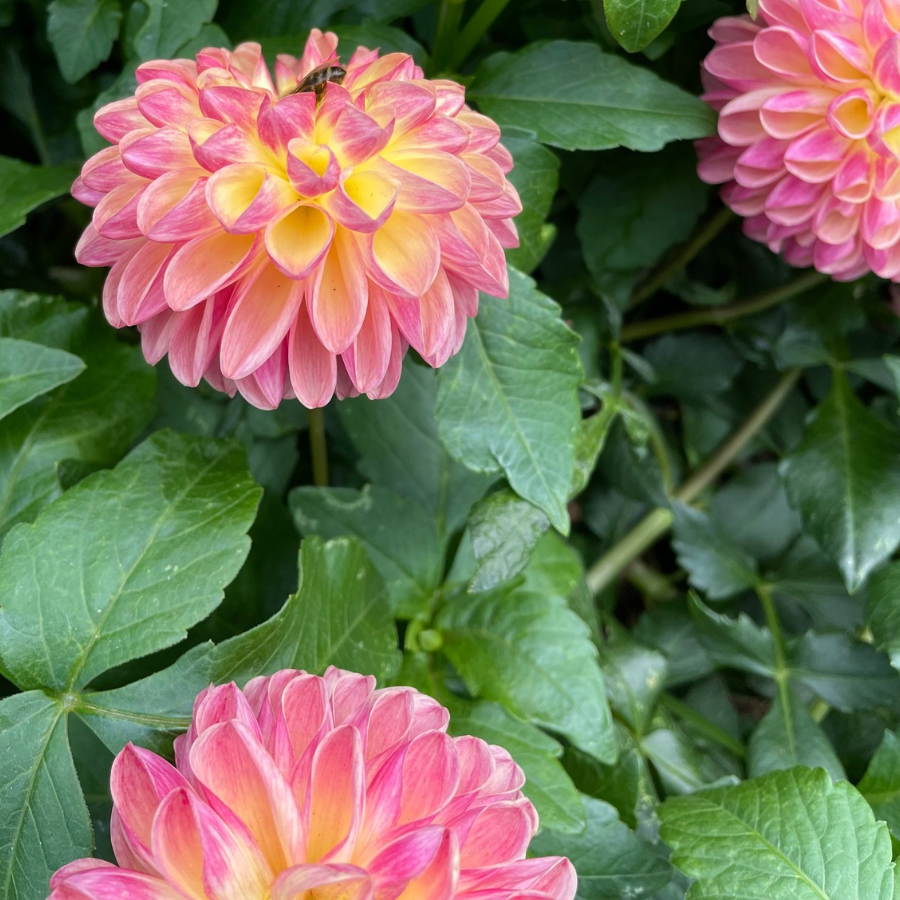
(309, 788)
(282, 244)
(809, 131)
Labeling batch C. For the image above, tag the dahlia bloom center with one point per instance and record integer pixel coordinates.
(301, 786)
(809, 130)
(288, 244)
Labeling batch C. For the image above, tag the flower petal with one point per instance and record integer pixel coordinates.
(299, 239)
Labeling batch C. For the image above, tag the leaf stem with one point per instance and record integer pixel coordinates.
(719, 315)
(475, 29)
(658, 521)
(319, 447)
(774, 624)
(703, 725)
(698, 240)
(449, 16)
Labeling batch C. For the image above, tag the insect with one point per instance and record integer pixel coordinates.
(318, 78)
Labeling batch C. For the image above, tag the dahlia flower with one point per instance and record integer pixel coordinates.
(809, 130)
(285, 244)
(320, 788)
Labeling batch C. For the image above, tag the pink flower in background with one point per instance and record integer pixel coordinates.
(286, 244)
(809, 130)
(324, 785)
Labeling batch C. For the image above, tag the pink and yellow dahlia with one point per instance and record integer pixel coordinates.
(309, 788)
(809, 130)
(285, 245)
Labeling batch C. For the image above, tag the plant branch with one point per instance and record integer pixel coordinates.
(719, 315)
(475, 29)
(319, 447)
(657, 522)
(700, 238)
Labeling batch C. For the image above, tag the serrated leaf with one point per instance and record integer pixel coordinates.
(611, 861)
(505, 530)
(636, 208)
(574, 96)
(546, 783)
(24, 187)
(680, 765)
(28, 370)
(847, 674)
(534, 656)
(91, 420)
(338, 616)
(397, 439)
(787, 736)
(169, 24)
(42, 319)
(509, 399)
(713, 561)
(82, 33)
(589, 445)
(535, 175)
(670, 630)
(883, 611)
(881, 783)
(402, 541)
(125, 562)
(43, 820)
(635, 24)
(736, 643)
(844, 479)
(789, 834)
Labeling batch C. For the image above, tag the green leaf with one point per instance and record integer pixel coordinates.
(790, 834)
(713, 561)
(881, 783)
(634, 678)
(125, 562)
(24, 187)
(589, 445)
(399, 448)
(788, 736)
(82, 33)
(611, 861)
(883, 611)
(401, 540)
(535, 176)
(847, 674)
(546, 783)
(369, 34)
(669, 629)
(28, 370)
(714, 365)
(737, 643)
(509, 399)
(339, 616)
(844, 479)
(637, 208)
(42, 319)
(91, 420)
(534, 656)
(505, 530)
(575, 96)
(169, 24)
(43, 820)
(635, 24)
(680, 765)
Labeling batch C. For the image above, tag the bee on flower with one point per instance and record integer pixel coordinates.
(293, 237)
(808, 147)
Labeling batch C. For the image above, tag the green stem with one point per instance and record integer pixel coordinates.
(720, 315)
(319, 447)
(701, 237)
(772, 621)
(703, 725)
(449, 16)
(657, 522)
(475, 29)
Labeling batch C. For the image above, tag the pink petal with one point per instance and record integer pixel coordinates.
(118, 118)
(851, 113)
(853, 182)
(312, 168)
(173, 208)
(838, 59)
(426, 322)
(404, 255)
(430, 776)
(114, 884)
(205, 265)
(246, 197)
(817, 155)
(338, 294)
(232, 105)
(265, 387)
(293, 116)
(166, 103)
(363, 200)
(357, 137)
(792, 201)
(265, 307)
(196, 337)
(784, 51)
(335, 796)
(155, 152)
(501, 833)
(313, 369)
(140, 293)
(431, 181)
(116, 214)
(394, 369)
(215, 145)
(410, 857)
(324, 882)
(367, 358)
